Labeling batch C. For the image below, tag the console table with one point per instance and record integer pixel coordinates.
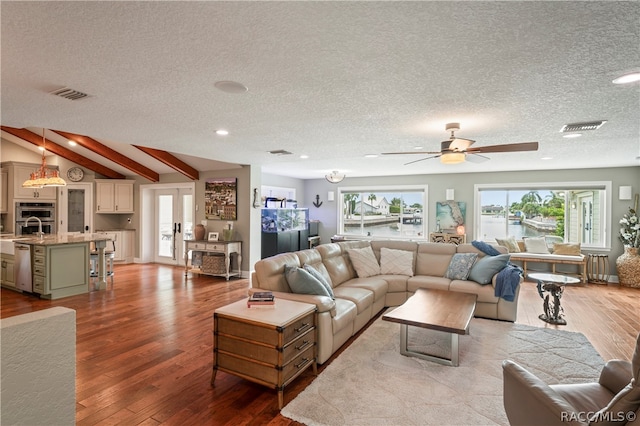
(443, 237)
(222, 248)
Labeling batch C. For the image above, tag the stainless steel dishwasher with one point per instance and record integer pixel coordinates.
(22, 259)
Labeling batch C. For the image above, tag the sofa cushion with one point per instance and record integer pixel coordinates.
(510, 243)
(567, 249)
(484, 269)
(396, 262)
(317, 275)
(363, 298)
(460, 266)
(302, 282)
(536, 245)
(486, 293)
(364, 262)
(433, 258)
(337, 263)
(626, 401)
(376, 284)
(427, 281)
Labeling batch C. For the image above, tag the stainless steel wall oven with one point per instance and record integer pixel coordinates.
(46, 212)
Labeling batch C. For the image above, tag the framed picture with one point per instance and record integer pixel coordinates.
(220, 198)
(213, 236)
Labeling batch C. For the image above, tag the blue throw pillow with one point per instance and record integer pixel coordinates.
(485, 248)
(316, 274)
(460, 265)
(302, 282)
(485, 268)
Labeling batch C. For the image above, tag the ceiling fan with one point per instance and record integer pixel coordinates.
(457, 150)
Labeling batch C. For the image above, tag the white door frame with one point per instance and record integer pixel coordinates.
(63, 205)
(147, 216)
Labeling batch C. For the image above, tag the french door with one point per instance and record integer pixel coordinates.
(173, 224)
(76, 208)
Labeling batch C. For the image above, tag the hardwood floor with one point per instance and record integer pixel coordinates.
(144, 347)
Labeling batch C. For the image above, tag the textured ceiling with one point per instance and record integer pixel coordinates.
(332, 80)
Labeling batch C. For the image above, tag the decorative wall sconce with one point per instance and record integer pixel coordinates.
(624, 193)
(450, 195)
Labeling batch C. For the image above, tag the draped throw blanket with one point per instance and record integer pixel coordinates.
(508, 278)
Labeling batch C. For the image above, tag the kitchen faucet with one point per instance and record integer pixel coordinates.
(40, 233)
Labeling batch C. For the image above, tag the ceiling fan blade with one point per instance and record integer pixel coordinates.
(422, 159)
(514, 147)
(476, 158)
(460, 144)
(410, 152)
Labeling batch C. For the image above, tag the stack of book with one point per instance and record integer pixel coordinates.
(261, 298)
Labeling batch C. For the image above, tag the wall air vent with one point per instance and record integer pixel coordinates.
(280, 152)
(67, 93)
(582, 127)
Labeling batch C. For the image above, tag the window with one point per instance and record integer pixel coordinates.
(386, 212)
(571, 212)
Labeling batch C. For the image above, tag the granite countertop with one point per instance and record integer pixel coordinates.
(50, 240)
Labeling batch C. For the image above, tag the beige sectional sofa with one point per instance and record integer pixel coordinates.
(357, 300)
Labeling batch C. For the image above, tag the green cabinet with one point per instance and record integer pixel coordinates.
(60, 270)
(7, 273)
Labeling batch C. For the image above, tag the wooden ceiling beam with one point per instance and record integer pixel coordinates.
(171, 161)
(111, 155)
(66, 153)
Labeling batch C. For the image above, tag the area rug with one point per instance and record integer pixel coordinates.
(370, 383)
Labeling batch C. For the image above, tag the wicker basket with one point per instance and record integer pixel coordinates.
(213, 264)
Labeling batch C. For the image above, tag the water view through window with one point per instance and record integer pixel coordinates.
(389, 214)
(572, 214)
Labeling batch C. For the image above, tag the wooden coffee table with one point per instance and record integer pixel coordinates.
(446, 311)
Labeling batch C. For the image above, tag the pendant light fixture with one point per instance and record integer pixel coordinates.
(42, 177)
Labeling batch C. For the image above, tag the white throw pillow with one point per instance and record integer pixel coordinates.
(536, 245)
(364, 262)
(396, 262)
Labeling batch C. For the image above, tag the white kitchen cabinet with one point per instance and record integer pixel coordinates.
(20, 174)
(4, 188)
(124, 245)
(7, 273)
(114, 196)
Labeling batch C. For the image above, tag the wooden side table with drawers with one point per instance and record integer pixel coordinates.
(269, 345)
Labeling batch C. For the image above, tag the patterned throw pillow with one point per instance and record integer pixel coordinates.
(396, 262)
(364, 262)
(510, 243)
(460, 266)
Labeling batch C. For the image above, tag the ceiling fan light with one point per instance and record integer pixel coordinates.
(452, 157)
(335, 177)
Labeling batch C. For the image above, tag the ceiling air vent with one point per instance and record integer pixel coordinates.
(280, 152)
(582, 127)
(71, 94)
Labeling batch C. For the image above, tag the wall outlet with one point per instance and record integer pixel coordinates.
(204, 222)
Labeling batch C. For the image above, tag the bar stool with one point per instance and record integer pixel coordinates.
(109, 254)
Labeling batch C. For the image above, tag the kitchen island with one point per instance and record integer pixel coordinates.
(60, 263)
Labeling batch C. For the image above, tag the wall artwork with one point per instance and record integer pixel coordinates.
(221, 198)
(450, 215)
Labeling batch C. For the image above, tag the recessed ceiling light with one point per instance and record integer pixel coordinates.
(546, 158)
(72, 143)
(627, 78)
(572, 135)
(222, 132)
(304, 156)
(371, 156)
(417, 147)
(230, 86)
